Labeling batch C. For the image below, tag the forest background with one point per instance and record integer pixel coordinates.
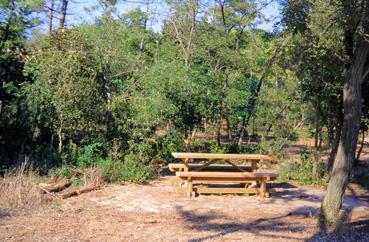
(133, 84)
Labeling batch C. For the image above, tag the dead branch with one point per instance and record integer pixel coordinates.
(54, 187)
(77, 192)
(47, 192)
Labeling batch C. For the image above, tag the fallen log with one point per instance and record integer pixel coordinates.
(77, 192)
(43, 190)
(55, 187)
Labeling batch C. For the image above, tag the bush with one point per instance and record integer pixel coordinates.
(63, 171)
(272, 146)
(90, 157)
(135, 169)
(302, 172)
(134, 165)
(168, 144)
(215, 148)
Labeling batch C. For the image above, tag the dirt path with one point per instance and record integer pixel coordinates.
(155, 212)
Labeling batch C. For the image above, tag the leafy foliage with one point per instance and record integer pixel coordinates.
(117, 95)
(302, 172)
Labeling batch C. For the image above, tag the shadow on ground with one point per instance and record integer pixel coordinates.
(357, 231)
(4, 214)
(222, 225)
(279, 228)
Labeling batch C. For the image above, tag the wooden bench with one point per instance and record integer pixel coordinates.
(176, 167)
(196, 178)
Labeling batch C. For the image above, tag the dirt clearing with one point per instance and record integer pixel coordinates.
(155, 212)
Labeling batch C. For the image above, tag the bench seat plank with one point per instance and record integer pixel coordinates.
(215, 175)
(212, 190)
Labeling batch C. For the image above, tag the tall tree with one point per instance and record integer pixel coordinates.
(51, 15)
(63, 13)
(355, 16)
(16, 18)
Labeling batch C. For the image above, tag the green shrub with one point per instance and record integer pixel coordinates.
(168, 144)
(199, 145)
(135, 165)
(294, 136)
(113, 171)
(135, 169)
(302, 172)
(70, 155)
(272, 146)
(215, 148)
(90, 157)
(63, 171)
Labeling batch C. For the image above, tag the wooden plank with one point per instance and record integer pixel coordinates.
(211, 190)
(184, 155)
(222, 180)
(212, 167)
(225, 174)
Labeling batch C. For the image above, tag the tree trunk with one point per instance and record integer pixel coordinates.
(316, 141)
(222, 97)
(51, 15)
(60, 137)
(229, 135)
(219, 128)
(361, 147)
(337, 136)
(169, 127)
(63, 13)
(255, 95)
(221, 5)
(314, 173)
(347, 146)
(334, 150)
(241, 133)
(189, 139)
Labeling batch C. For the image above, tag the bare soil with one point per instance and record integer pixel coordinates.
(157, 212)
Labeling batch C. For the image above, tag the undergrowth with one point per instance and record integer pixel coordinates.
(302, 172)
(134, 166)
(361, 175)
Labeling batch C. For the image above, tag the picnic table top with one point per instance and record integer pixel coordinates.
(187, 155)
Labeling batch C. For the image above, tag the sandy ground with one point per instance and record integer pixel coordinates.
(156, 212)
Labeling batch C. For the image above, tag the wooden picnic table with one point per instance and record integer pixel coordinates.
(212, 158)
(201, 174)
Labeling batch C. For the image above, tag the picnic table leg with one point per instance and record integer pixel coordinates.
(263, 187)
(190, 187)
(186, 169)
(254, 165)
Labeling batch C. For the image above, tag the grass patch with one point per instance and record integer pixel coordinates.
(19, 189)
